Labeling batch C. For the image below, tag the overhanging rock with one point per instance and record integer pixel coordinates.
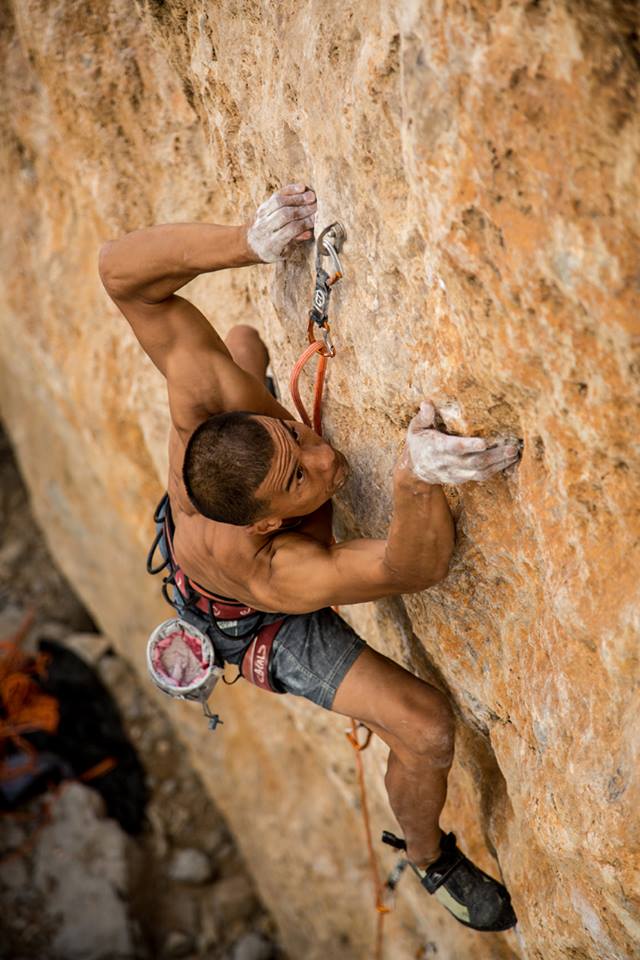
(484, 159)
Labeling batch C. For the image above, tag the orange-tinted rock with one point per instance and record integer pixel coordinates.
(484, 159)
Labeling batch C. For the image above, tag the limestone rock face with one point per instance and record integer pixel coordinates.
(483, 157)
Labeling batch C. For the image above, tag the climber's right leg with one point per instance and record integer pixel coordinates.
(320, 657)
(416, 722)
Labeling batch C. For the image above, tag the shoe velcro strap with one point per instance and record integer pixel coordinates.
(435, 876)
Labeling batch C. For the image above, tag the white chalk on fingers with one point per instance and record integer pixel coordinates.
(470, 445)
(269, 205)
(297, 199)
(291, 229)
(423, 419)
(274, 226)
(499, 466)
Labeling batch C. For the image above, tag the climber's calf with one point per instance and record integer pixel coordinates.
(416, 721)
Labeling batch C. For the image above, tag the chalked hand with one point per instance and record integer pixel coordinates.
(436, 457)
(283, 220)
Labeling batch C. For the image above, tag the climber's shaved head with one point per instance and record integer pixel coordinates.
(305, 470)
(240, 467)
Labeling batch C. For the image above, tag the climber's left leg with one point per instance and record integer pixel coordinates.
(248, 350)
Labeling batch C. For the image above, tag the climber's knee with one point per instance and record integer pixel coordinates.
(425, 729)
(247, 349)
(242, 335)
(241, 330)
(414, 718)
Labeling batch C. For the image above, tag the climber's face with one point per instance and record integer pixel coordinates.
(305, 470)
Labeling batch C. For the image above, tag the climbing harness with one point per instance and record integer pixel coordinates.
(183, 658)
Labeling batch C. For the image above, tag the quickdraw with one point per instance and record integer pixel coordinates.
(329, 244)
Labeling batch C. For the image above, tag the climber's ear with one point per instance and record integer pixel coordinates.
(265, 525)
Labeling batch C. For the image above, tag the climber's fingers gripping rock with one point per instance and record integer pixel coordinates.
(436, 457)
(287, 217)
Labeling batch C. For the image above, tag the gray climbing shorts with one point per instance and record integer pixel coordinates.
(311, 655)
(308, 657)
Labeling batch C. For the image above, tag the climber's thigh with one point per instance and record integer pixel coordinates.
(311, 655)
(247, 349)
(412, 716)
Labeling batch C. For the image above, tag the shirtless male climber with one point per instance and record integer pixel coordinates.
(249, 495)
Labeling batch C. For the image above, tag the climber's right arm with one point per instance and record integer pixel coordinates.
(297, 574)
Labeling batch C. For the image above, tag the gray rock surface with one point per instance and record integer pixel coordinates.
(80, 867)
(190, 866)
(251, 946)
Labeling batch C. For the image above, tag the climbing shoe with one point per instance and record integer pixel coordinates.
(469, 894)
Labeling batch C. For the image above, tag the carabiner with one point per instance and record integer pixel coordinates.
(330, 243)
(328, 342)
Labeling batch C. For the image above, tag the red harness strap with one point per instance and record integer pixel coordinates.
(222, 610)
(255, 663)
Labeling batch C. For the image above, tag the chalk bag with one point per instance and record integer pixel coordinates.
(182, 663)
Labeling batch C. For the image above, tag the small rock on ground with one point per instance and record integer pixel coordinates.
(190, 866)
(178, 944)
(251, 946)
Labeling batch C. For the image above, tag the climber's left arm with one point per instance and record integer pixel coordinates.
(149, 265)
(141, 272)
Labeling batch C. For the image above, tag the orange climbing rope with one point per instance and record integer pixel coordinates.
(381, 907)
(316, 346)
(325, 349)
(24, 709)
